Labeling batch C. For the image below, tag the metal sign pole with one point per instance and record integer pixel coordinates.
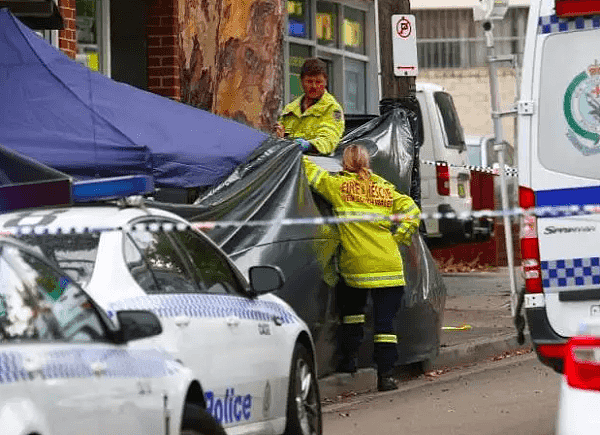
(499, 147)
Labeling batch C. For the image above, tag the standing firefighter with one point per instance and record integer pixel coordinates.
(370, 258)
(315, 119)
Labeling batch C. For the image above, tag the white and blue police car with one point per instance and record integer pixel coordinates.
(254, 357)
(65, 368)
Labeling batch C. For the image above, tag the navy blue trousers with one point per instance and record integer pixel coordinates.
(386, 303)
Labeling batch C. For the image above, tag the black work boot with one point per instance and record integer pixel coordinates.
(386, 382)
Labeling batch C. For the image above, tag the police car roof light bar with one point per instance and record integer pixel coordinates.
(111, 188)
(577, 8)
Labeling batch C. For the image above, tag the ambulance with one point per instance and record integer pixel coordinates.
(559, 172)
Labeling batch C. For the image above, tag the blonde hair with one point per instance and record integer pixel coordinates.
(356, 159)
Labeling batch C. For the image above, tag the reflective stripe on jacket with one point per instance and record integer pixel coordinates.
(370, 256)
(322, 124)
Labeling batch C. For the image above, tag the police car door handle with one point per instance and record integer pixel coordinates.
(182, 321)
(233, 321)
(98, 368)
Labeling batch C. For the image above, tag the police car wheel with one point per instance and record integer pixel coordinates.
(197, 421)
(304, 403)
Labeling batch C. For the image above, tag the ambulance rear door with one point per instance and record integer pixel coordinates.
(562, 165)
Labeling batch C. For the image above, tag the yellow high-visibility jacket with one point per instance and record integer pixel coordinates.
(322, 124)
(370, 257)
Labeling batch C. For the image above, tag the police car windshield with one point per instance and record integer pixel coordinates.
(74, 253)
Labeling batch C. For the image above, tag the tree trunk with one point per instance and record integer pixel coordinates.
(232, 58)
(392, 86)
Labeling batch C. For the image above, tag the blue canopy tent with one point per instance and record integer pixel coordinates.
(77, 121)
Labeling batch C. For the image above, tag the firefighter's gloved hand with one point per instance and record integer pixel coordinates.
(303, 144)
(403, 238)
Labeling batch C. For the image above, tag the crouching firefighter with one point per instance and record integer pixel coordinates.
(370, 259)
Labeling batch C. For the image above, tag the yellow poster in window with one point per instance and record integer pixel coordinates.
(92, 61)
(295, 8)
(352, 33)
(325, 26)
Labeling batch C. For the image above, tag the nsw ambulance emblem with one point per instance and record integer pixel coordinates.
(581, 107)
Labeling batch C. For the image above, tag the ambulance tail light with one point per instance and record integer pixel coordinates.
(530, 250)
(582, 363)
(443, 178)
(576, 8)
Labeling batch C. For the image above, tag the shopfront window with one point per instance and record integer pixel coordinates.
(91, 50)
(298, 53)
(298, 18)
(330, 75)
(326, 24)
(337, 34)
(354, 30)
(355, 97)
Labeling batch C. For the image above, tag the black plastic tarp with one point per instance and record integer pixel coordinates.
(271, 187)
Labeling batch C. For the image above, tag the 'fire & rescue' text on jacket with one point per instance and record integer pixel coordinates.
(370, 257)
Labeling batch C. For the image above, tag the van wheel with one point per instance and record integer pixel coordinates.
(303, 403)
(197, 421)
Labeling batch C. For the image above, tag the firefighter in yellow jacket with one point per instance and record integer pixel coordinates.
(370, 259)
(315, 119)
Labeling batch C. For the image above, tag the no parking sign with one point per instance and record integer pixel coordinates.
(404, 45)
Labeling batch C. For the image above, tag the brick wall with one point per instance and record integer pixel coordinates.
(163, 49)
(67, 38)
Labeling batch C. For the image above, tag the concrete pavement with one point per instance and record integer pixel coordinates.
(477, 326)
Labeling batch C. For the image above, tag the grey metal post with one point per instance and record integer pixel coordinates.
(499, 147)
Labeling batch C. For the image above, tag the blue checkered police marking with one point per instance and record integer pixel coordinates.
(11, 368)
(554, 24)
(205, 305)
(77, 363)
(571, 273)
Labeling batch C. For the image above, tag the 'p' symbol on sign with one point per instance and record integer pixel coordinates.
(403, 28)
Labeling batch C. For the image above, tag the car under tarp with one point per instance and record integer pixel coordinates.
(266, 213)
(84, 124)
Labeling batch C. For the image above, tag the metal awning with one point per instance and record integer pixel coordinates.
(36, 14)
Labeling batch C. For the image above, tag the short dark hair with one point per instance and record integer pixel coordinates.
(313, 67)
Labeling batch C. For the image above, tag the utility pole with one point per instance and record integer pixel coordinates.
(398, 90)
(499, 146)
(391, 86)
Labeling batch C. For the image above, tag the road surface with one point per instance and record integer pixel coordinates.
(517, 395)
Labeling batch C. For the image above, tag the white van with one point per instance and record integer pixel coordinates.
(444, 168)
(445, 176)
(559, 165)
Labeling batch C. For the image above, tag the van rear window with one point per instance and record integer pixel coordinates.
(569, 109)
(454, 131)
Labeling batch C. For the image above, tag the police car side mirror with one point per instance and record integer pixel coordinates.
(265, 279)
(137, 324)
